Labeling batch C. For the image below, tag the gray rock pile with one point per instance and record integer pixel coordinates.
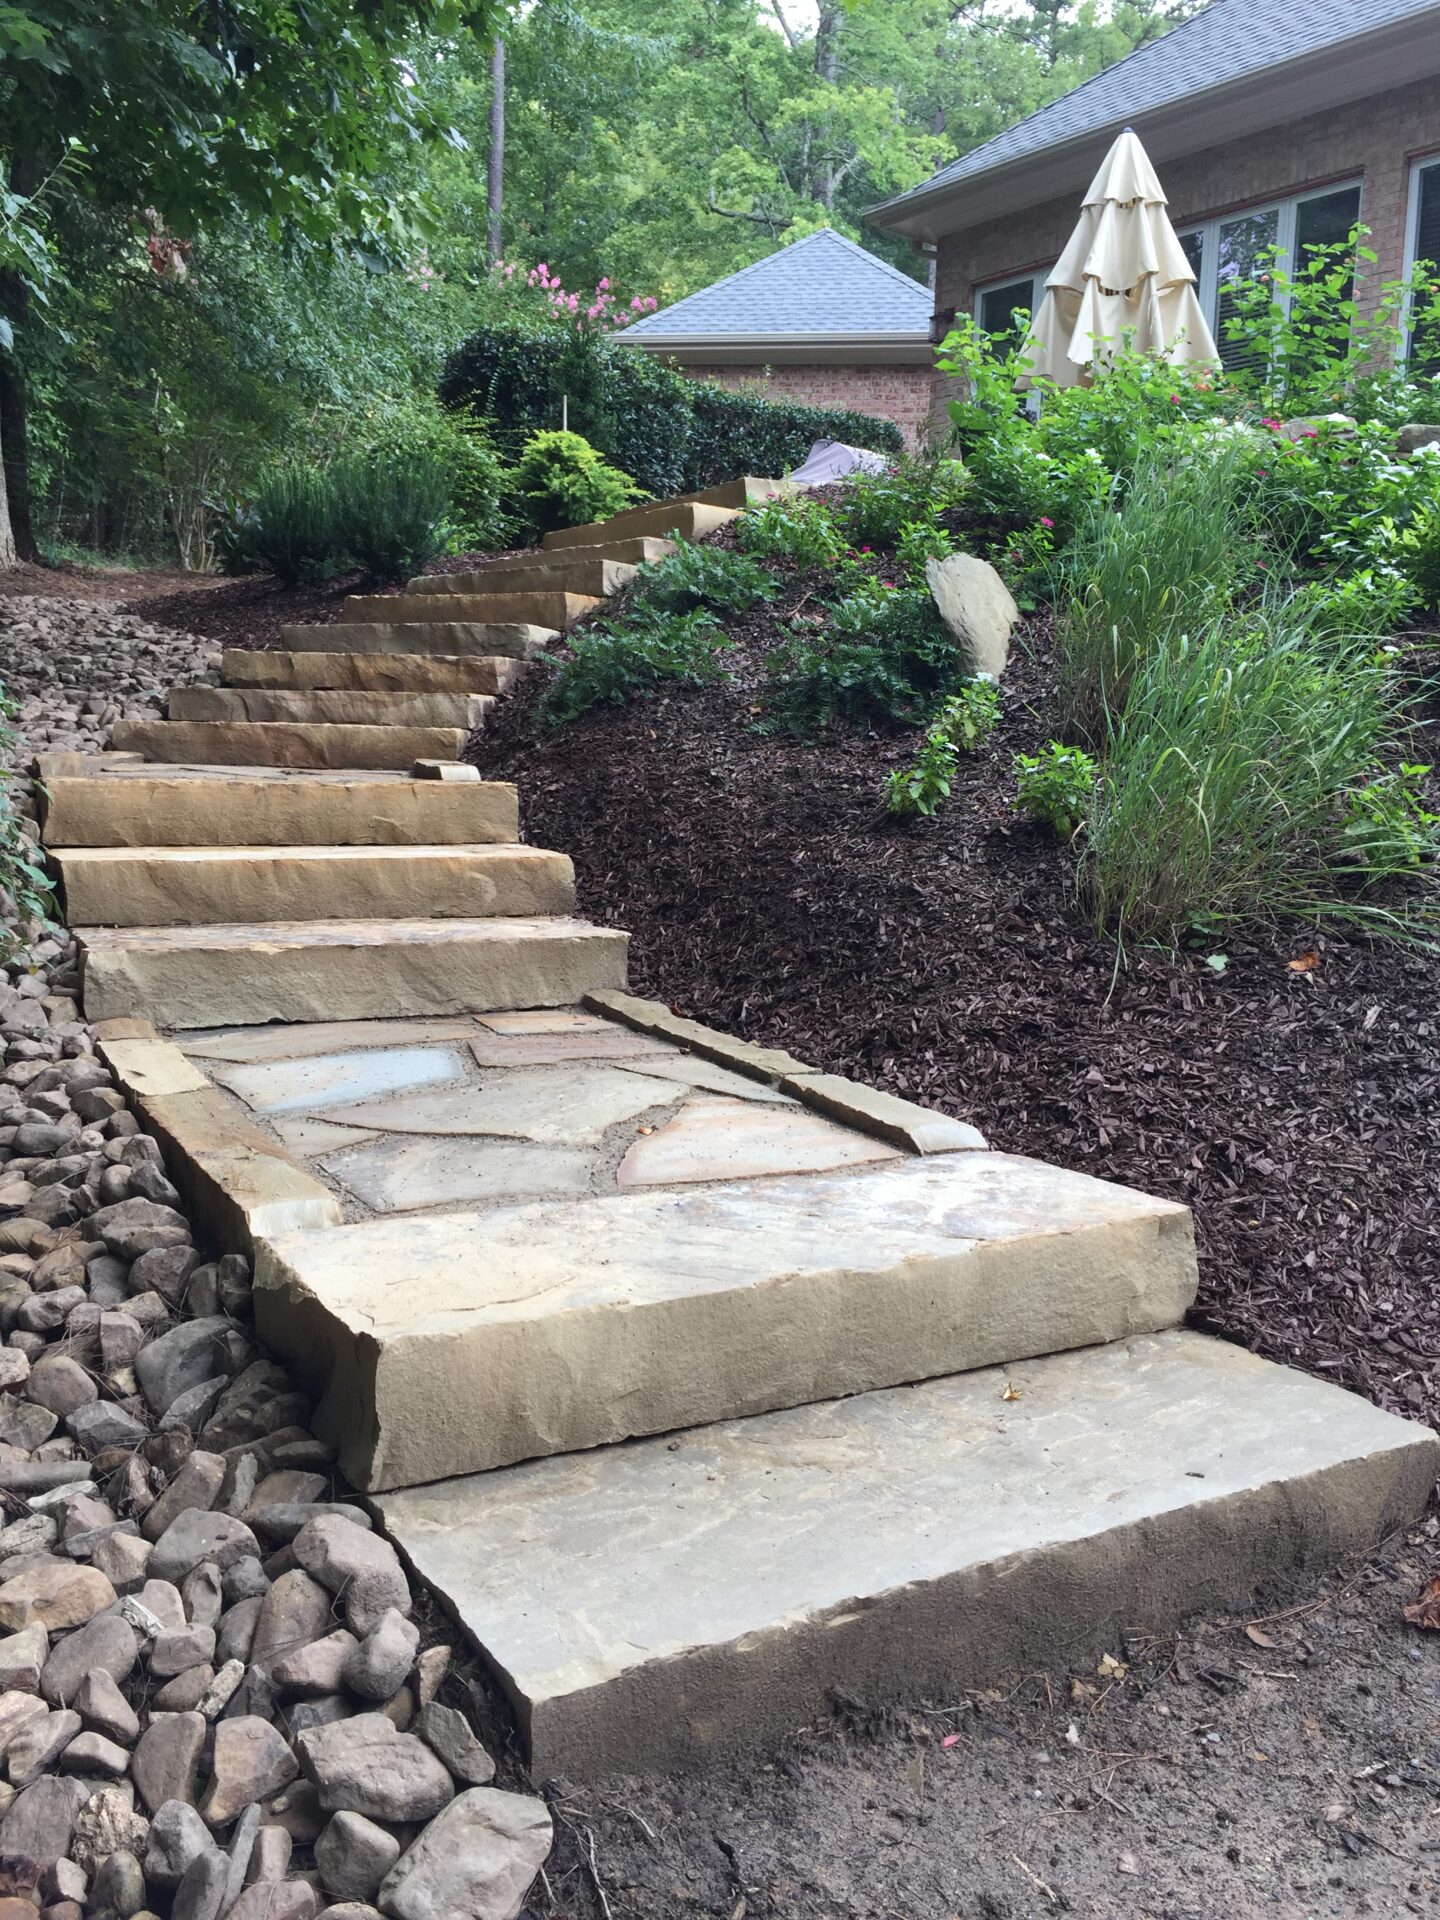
(214, 1697)
(75, 669)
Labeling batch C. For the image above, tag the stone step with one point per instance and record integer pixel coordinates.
(748, 491)
(281, 743)
(682, 520)
(557, 610)
(640, 551)
(342, 969)
(134, 805)
(369, 672)
(684, 1305)
(193, 886)
(456, 639)
(562, 575)
(331, 707)
(661, 1604)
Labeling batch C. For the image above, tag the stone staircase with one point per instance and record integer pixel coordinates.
(696, 1382)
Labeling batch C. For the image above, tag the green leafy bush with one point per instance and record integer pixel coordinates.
(27, 896)
(561, 481)
(877, 508)
(697, 576)
(628, 659)
(1244, 780)
(291, 527)
(883, 659)
(1418, 552)
(675, 435)
(1370, 604)
(392, 512)
(1389, 825)
(477, 476)
(801, 529)
(963, 723)
(1055, 787)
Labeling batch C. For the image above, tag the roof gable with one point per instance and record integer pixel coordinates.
(823, 284)
(1229, 42)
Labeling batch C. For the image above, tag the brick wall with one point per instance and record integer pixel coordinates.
(1371, 140)
(901, 394)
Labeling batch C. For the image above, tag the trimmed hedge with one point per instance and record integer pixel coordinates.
(671, 434)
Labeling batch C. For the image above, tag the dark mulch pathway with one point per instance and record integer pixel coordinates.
(1295, 1110)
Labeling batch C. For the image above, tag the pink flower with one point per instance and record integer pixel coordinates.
(1262, 473)
(603, 286)
(1174, 399)
(1046, 522)
(1275, 425)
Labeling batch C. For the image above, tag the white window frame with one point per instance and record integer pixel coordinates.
(1426, 163)
(1208, 289)
(1037, 278)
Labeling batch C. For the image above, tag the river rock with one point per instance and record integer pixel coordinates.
(167, 1759)
(56, 1594)
(359, 1567)
(475, 1862)
(378, 1666)
(354, 1856)
(251, 1762)
(364, 1765)
(448, 1734)
(105, 1645)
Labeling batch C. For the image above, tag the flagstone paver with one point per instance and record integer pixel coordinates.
(278, 1085)
(398, 1175)
(740, 1140)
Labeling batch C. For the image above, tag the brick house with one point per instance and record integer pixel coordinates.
(821, 321)
(1270, 123)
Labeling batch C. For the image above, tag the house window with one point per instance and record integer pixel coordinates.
(1422, 242)
(1233, 247)
(995, 307)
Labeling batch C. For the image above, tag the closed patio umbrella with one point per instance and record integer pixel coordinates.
(1123, 274)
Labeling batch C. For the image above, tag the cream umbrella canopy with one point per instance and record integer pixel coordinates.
(1123, 278)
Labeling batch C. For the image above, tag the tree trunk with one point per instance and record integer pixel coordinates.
(495, 165)
(8, 555)
(15, 446)
(827, 68)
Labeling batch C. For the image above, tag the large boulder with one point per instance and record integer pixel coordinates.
(1415, 435)
(977, 607)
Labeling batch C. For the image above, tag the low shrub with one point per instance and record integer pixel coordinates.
(392, 512)
(883, 658)
(1245, 779)
(1371, 604)
(962, 723)
(1418, 552)
(289, 527)
(627, 659)
(801, 529)
(714, 577)
(877, 508)
(561, 481)
(1056, 787)
(476, 474)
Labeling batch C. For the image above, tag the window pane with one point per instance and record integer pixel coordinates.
(1425, 348)
(998, 305)
(1192, 245)
(1243, 243)
(1325, 220)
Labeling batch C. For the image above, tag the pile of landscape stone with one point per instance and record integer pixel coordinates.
(74, 669)
(213, 1697)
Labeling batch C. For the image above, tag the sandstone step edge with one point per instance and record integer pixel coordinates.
(682, 1305)
(540, 608)
(198, 886)
(320, 672)
(328, 706)
(235, 1180)
(675, 1601)
(190, 977)
(599, 578)
(281, 743)
(684, 521)
(149, 805)
(454, 639)
(642, 551)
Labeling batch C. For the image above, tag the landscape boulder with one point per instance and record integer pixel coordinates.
(977, 608)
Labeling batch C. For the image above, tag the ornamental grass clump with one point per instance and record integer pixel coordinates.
(1245, 778)
(1165, 563)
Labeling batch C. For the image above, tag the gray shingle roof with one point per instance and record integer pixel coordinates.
(823, 284)
(1231, 40)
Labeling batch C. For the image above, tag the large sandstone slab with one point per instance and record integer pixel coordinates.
(598, 578)
(658, 1604)
(368, 672)
(682, 1306)
(286, 744)
(639, 551)
(401, 632)
(558, 610)
(192, 886)
(341, 969)
(138, 806)
(679, 520)
(331, 707)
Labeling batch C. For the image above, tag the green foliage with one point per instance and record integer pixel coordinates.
(883, 659)
(627, 659)
(1389, 825)
(877, 508)
(1369, 605)
(964, 722)
(1056, 787)
(476, 477)
(291, 527)
(391, 513)
(702, 576)
(801, 529)
(561, 481)
(675, 435)
(1165, 561)
(27, 897)
(921, 541)
(1418, 553)
(1242, 780)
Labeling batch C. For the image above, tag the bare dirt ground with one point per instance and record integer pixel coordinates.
(103, 586)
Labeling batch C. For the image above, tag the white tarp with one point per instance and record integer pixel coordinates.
(833, 460)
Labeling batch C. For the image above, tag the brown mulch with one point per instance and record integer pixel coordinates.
(1291, 1099)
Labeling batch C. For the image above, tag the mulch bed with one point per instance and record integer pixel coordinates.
(1290, 1100)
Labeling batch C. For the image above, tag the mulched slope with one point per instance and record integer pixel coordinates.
(1295, 1110)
